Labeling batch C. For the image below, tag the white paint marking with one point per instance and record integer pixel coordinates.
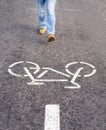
(37, 67)
(16, 63)
(73, 10)
(12, 73)
(89, 75)
(87, 64)
(52, 117)
(58, 72)
(50, 80)
(93, 67)
(32, 9)
(38, 81)
(73, 80)
(35, 83)
(28, 74)
(42, 74)
(70, 64)
(12, 65)
(84, 63)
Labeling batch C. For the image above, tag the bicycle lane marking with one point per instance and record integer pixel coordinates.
(39, 81)
(52, 111)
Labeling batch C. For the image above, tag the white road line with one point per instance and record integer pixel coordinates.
(74, 78)
(52, 117)
(70, 10)
(73, 10)
(58, 72)
(16, 63)
(32, 9)
(50, 80)
(42, 74)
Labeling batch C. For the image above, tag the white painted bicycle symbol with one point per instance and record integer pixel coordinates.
(32, 69)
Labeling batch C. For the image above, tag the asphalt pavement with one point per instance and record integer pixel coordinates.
(69, 73)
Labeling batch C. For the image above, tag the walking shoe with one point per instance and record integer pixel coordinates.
(42, 31)
(51, 37)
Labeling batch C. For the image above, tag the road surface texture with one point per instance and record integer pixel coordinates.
(80, 37)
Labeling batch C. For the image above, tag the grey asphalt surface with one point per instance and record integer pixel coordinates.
(80, 36)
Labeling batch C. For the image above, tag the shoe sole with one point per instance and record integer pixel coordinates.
(50, 39)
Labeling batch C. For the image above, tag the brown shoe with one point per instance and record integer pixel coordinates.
(42, 31)
(51, 37)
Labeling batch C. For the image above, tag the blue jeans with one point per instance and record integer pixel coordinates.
(46, 13)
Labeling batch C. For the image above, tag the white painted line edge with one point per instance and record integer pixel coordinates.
(73, 10)
(52, 117)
